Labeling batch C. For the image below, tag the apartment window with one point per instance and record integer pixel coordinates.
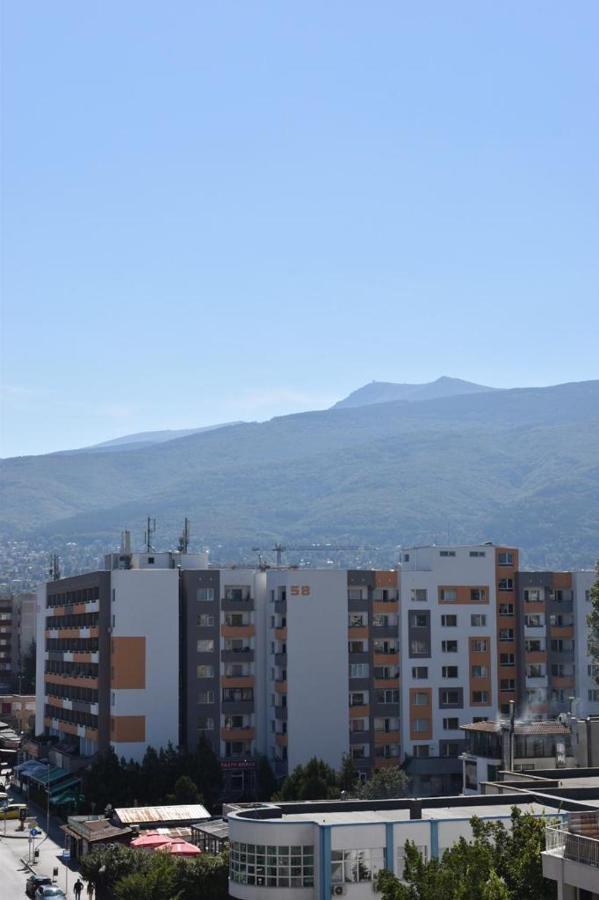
(535, 670)
(478, 595)
(419, 672)
(480, 697)
(506, 609)
(479, 645)
(237, 619)
(562, 670)
(389, 695)
(206, 646)
(357, 646)
(421, 751)
(506, 584)
(450, 749)
(358, 698)
(477, 553)
(205, 594)
(205, 723)
(451, 724)
(406, 557)
(236, 695)
(533, 595)
(446, 552)
(360, 751)
(480, 672)
(419, 595)
(205, 621)
(419, 620)
(205, 696)
(385, 646)
(506, 634)
(448, 595)
(449, 646)
(358, 725)
(420, 726)
(534, 620)
(505, 558)
(478, 621)
(358, 620)
(562, 646)
(386, 672)
(359, 670)
(507, 684)
(205, 671)
(450, 671)
(386, 725)
(450, 697)
(421, 698)
(354, 593)
(594, 695)
(449, 621)
(534, 645)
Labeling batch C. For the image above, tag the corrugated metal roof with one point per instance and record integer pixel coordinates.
(141, 815)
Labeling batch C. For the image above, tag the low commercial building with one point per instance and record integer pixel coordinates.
(317, 850)
(494, 746)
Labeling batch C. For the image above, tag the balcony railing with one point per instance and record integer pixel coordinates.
(572, 846)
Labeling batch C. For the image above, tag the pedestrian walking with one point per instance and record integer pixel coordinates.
(90, 889)
(78, 887)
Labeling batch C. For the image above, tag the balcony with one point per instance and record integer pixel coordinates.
(241, 654)
(246, 733)
(570, 858)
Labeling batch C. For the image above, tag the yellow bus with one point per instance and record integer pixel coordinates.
(12, 811)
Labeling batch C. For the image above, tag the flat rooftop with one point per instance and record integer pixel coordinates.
(437, 813)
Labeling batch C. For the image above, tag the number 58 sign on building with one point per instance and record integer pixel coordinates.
(300, 590)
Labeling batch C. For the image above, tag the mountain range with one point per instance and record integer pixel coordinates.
(389, 465)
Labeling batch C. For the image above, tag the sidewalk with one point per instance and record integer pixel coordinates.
(20, 847)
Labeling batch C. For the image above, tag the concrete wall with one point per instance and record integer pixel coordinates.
(145, 604)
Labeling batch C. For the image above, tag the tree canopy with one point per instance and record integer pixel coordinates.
(499, 863)
(593, 623)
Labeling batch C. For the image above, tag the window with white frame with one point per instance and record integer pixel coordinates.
(355, 866)
(205, 594)
(359, 670)
(478, 621)
(272, 865)
(418, 595)
(449, 621)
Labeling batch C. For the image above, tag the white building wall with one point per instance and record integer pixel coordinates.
(582, 583)
(317, 666)
(145, 603)
(426, 568)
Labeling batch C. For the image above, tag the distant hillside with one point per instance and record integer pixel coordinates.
(518, 466)
(387, 391)
(146, 439)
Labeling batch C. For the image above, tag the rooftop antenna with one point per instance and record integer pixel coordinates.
(54, 572)
(149, 534)
(184, 538)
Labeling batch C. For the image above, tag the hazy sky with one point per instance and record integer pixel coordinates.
(215, 211)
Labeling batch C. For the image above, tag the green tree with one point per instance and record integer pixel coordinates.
(384, 784)
(314, 781)
(495, 888)
(266, 783)
(497, 864)
(348, 775)
(157, 882)
(186, 791)
(205, 770)
(593, 623)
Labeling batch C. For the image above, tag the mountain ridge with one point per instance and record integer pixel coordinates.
(387, 391)
(518, 465)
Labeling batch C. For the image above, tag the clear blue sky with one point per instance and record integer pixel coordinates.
(216, 211)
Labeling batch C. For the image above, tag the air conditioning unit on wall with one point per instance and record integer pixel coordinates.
(338, 890)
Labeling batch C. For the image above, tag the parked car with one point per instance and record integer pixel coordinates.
(35, 881)
(47, 891)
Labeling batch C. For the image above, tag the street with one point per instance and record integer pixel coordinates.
(15, 847)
